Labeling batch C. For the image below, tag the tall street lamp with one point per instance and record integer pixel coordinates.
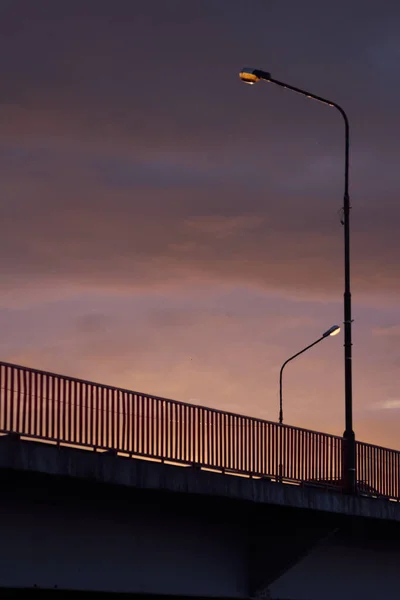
(251, 76)
(334, 330)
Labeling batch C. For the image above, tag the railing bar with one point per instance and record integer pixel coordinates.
(128, 422)
(96, 415)
(232, 433)
(12, 400)
(214, 440)
(247, 450)
(240, 466)
(23, 399)
(87, 411)
(264, 450)
(168, 431)
(78, 409)
(314, 457)
(114, 418)
(371, 466)
(120, 420)
(198, 427)
(378, 470)
(138, 422)
(210, 418)
(307, 470)
(68, 404)
(188, 439)
(178, 432)
(156, 445)
(326, 459)
(74, 400)
(254, 448)
(60, 409)
(135, 423)
(104, 418)
(232, 442)
(46, 400)
(149, 425)
(144, 424)
(161, 422)
(52, 424)
(6, 398)
(205, 431)
(255, 466)
(173, 436)
(299, 450)
(34, 403)
(220, 437)
(388, 472)
(83, 402)
(291, 454)
(184, 447)
(41, 406)
(17, 400)
(210, 437)
(140, 448)
(3, 398)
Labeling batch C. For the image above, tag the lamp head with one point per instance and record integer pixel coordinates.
(251, 76)
(334, 330)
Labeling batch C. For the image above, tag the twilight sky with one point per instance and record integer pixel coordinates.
(168, 229)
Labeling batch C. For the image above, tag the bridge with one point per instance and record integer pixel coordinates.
(256, 507)
(46, 406)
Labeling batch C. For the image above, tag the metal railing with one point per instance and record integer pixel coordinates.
(72, 411)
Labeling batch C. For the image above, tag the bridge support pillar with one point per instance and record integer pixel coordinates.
(278, 541)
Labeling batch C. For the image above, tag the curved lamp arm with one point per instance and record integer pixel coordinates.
(334, 330)
(251, 76)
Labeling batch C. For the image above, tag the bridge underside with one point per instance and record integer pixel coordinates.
(60, 533)
(43, 594)
(63, 533)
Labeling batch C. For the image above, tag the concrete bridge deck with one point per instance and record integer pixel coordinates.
(112, 468)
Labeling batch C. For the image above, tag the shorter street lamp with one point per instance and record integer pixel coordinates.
(334, 330)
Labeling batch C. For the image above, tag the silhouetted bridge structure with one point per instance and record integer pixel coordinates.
(47, 406)
(113, 491)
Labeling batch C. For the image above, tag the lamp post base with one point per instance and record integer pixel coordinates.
(349, 477)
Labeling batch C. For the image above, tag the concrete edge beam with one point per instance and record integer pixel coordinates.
(112, 469)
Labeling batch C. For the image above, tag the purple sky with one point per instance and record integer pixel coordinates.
(168, 229)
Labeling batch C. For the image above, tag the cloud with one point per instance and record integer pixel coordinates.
(387, 331)
(124, 179)
(219, 226)
(389, 404)
(62, 225)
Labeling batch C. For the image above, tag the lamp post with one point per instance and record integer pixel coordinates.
(334, 330)
(252, 76)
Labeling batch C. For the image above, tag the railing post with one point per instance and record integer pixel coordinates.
(281, 468)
